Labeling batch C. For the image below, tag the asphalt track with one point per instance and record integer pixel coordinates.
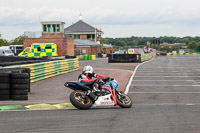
(165, 94)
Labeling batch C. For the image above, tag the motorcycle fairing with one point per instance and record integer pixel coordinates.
(104, 101)
(112, 93)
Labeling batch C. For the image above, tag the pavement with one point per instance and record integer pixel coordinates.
(52, 94)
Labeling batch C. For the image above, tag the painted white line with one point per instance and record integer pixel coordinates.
(130, 80)
(164, 104)
(165, 73)
(167, 67)
(164, 92)
(190, 104)
(167, 76)
(169, 80)
(166, 85)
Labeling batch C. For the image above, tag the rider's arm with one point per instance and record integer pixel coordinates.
(100, 76)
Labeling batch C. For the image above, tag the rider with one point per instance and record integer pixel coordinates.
(88, 76)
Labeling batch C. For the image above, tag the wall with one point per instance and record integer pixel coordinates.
(67, 49)
(91, 50)
(86, 48)
(108, 50)
(83, 37)
(52, 35)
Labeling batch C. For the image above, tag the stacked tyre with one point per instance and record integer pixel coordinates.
(20, 85)
(4, 85)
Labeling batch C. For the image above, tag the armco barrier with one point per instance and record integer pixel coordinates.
(124, 58)
(183, 54)
(49, 69)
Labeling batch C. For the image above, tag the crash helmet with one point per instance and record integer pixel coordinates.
(88, 69)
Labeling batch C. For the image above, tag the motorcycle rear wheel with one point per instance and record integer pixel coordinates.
(123, 100)
(78, 101)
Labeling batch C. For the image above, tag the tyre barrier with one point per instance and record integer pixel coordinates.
(17, 60)
(40, 71)
(14, 84)
(124, 58)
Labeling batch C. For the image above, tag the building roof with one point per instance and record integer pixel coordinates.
(80, 26)
(52, 22)
(78, 42)
(107, 46)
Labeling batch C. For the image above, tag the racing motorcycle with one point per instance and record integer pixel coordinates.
(97, 93)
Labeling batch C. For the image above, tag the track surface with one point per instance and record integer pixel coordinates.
(165, 94)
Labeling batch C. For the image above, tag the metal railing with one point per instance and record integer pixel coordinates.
(32, 34)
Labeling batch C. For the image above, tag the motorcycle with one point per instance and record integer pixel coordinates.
(97, 93)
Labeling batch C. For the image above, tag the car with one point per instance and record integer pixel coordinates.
(6, 52)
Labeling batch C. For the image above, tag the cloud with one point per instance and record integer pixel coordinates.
(114, 22)
(20, 16)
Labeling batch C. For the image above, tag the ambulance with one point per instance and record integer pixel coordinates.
(40, 50)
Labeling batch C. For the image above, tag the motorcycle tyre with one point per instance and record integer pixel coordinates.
(78, 104)
(124, 105)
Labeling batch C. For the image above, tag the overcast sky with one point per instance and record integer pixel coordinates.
(117, 18)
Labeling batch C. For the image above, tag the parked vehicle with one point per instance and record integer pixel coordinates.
(40, 50)
(16, 49)
(85, 96)
(131, 51)
(6, 52)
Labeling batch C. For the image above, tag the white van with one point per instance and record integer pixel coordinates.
(16, 49)
(6, 52)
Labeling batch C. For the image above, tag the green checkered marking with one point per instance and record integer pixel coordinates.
(48, 45)
(43, 50)
(49, 54)
(36, 54)
(35, 46)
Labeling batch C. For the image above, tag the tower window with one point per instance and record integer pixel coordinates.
(57, 28)
(77, 37)
(48, 28)
(44, 28)
(54, 27)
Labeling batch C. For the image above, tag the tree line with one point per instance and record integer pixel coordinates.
(192, 43)
(17, 41)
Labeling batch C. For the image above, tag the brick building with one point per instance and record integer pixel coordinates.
(108, 49)
(92, 36)
(68, 39)
(87, 47)
(83, 31)
(52, 32)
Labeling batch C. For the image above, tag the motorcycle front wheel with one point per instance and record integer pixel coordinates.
(79, 100)
(123, 100)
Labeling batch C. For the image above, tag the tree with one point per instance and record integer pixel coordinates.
(18, 41)
(3, 42)
(197, 49)
(192, 45)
